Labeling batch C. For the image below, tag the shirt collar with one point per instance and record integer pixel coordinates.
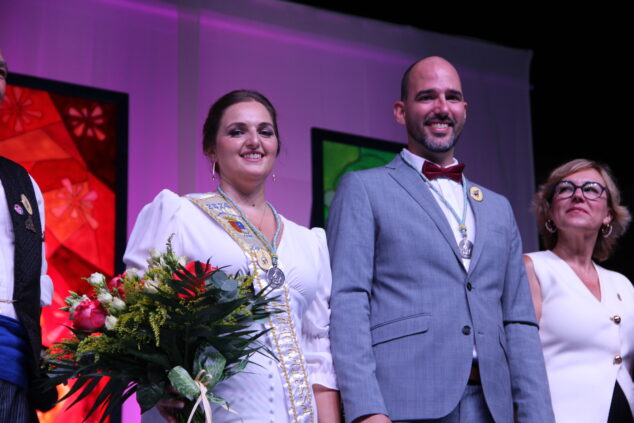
(418, 161)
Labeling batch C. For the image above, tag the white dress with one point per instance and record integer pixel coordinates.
(588, 344)
(257, 394)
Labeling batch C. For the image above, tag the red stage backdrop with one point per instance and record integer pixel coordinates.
(73, 141)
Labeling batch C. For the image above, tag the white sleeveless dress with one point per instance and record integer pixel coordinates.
(588, 344)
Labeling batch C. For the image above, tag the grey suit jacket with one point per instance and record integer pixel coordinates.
(406, 313)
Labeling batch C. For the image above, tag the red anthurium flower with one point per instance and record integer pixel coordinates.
(199, 282)
(89, 315)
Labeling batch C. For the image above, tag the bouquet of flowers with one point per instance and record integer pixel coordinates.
(176, 331)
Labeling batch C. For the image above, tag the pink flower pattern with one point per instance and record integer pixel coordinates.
(17, 109)
(77, 201)
(86, 120)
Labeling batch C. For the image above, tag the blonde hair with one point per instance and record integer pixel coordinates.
(604, 246)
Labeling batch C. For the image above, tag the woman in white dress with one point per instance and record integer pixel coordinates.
(236, 227)
(585, 312)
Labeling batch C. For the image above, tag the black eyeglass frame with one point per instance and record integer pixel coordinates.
(581, 187)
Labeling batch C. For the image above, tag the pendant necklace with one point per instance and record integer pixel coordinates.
(275, 274)
(464, 246)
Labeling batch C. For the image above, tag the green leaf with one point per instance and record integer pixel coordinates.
(155, 358)
(183, 383)
(209, 360)
(148, 395)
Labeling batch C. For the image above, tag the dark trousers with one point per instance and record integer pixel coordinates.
(14, 404)
(620, 409)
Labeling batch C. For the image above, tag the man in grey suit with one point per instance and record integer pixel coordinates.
(432, 317)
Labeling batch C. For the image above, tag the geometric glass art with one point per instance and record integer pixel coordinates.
(73, 142)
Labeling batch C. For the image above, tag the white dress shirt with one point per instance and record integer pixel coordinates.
(453, 193)
(7, 246)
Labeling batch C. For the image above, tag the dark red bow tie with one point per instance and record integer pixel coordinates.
(432, 171)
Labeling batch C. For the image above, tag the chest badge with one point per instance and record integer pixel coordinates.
(476, 193)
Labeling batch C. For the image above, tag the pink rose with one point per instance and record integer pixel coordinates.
(89, 315)
(116, 284)
(198, 282)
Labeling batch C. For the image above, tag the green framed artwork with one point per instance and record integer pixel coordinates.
(334, 154)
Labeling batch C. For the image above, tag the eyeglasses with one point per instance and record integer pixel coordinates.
(566, 189)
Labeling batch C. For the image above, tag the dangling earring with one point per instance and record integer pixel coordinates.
(274, 176)
(606, 230)
(550, 226)
(213, 170)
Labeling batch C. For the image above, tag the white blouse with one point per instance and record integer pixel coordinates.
(588, 344)
(257, 394)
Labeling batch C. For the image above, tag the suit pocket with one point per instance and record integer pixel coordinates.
(399, 328)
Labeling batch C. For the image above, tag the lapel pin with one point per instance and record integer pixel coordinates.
(18, 209)
(28, 223)
(476, 193)
(27, 205)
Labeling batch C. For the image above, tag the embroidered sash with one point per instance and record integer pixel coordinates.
(297, 389)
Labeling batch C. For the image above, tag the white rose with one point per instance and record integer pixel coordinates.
(118, 304)
(150, 286)
(154, 253)
(111, 322)
(97, 279)
(104, 298)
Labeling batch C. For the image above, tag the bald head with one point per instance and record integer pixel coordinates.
(428, 66)
(3, 76)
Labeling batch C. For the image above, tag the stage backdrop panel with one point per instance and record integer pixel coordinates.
(73, 142)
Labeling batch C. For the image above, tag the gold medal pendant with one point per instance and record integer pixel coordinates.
(264, 259)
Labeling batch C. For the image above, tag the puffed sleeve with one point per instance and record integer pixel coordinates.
(46, 283)
(316, 322)
(154, 225)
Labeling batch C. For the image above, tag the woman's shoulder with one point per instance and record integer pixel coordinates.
(316, 235)
(540, 255)
(169, 206)
(170, 201)
(615, 277)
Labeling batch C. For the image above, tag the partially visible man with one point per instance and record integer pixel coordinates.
(432, 318)
(24, 289)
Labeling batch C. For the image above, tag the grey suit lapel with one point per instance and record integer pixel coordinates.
(411, 182)
(482, 222)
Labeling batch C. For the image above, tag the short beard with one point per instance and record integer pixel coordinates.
(430, 145)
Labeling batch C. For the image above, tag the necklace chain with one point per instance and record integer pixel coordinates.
(462, 220)
(271, 246)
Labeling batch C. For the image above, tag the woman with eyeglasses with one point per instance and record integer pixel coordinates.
(585, 312)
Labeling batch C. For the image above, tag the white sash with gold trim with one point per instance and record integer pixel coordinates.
(282, 334)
